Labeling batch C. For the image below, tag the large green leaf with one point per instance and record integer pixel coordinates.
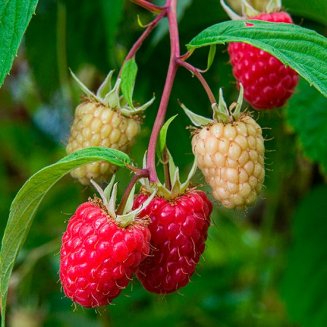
(307, 114)
(302, 49)
(14, 17)
(304, 285)
(28, 199)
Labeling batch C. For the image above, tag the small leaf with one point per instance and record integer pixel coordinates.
(14, 18)
(128, 78)
(28, 199)
(306, 113)
(163, 137)
(302, 49)
(211, 56)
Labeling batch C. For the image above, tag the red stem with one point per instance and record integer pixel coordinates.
(148, 6)
(199, 76)
(172, 69)
(143, 36)
(141, 173)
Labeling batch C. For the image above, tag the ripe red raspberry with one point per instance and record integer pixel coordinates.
(178, 233)
(98, 257)
(267, 82)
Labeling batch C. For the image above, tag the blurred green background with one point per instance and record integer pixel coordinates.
(266, 266)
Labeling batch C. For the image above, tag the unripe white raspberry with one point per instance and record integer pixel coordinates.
(231, 158)
(229, 150)
(103, 119)
(97, 125)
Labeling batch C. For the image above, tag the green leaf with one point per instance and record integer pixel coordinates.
(163, 137)
(14, 17)
(304, 283)
(211, 56)
(128, 78)
(28, 199)
(302, 49)
(306, 113)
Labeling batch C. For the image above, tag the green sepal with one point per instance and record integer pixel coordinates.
(196, 119)
(248, 10)
(105, 87)
(163, 138)
(110, 96)
(109, 200)
(177, 188)
(274, 5)
(221, 113)
(230, 12)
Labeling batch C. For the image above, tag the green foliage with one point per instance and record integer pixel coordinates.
(128, 77)
(313, 9)
(307, 115)
(245, 256)
(304, 283)
(112, 12)
(300, 48)
(28, 199)
(162, 142)
(14, 16)
(211, 56)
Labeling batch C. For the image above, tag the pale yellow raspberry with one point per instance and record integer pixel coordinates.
(98, 125)
(104, 119)
(231, 158)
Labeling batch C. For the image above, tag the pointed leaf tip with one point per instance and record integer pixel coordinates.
(83, 87)
(163, 137)
(196, 119)
(128, 77)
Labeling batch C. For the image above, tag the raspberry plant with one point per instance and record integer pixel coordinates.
(160, 234)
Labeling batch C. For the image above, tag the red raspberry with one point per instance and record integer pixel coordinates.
(178, 233)
(98, 257)
(267, 82)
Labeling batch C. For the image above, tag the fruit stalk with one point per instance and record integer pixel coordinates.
(137, 175)
(172, 69)
(148, 6)
(199, 76)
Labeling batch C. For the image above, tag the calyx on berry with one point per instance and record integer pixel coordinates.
(176, 187)
(109, 198)
(110, 96)
(221, 113)
(249, 11)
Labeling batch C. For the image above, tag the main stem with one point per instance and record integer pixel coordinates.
(172, 69)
